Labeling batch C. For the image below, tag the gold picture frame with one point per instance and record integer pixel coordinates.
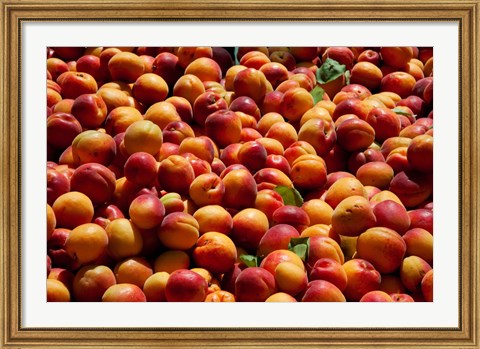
(14, 12)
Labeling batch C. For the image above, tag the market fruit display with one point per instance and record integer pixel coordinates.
(239, 174)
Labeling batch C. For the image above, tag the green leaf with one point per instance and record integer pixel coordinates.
(317, 94)
(400, 111)
(290, 196)
(249, 260)
(329, 71)
(347, 77)
(300, 246)
(235, 53)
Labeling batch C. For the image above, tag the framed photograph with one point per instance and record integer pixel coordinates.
(32, 31)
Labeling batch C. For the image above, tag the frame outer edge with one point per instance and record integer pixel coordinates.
(10, 189)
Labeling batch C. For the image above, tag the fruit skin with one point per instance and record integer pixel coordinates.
(391, 214)
(341, 54)
(249, 227)
(308, 172)
(56, 66)
(213, 218)
(166, 65)
(187, 55)
(292, 215)
(254, 59)
(419, 243)
(91, 282)
(276, 238)
(143, 136)
(290, 278)
(320, 134)
(224, 127)
(274, 258)
(86, 243)
(185, 286)
(223, 58)
(126, 66)
(269, 178)
(124, 293)
(57, 291)
(342, 186)
(62, 128)
(220, 296)
(396, 57)
(285, 133)
(201, 146)
(171, 260)
(146, 211)
(385, 122)
(280, 297)
(362, 277)
(56, 250)
(141, 168)
(401, 297)
(427, 286)
(366, 73)
(330, 270)
(135, 270)
(355, 135)
(72, 209)
(178, 231)
(376, 296)
(392, 143)
(383, 247)
(279, 162)
(351, 106)
(93, 146)
(206, 69)
(175, 174)
(74, 84)
(207, 103)
(268, 201)
(376, 173)
(254, 284)
(90, 64)
(283, 57)
(215, 252)
(412, 271)
(295, 102)
(154, 287)
(240, 189)
(411, 187)
(420, 153)
(94, 180)
(421, 218)
(124, 239)
(318, 211)
(275, 73)
(57, 184)
(51, 221)
(207, 189)
(323, 247)
(322, 291)
(90, 110)
(353, 216)
(252, 155)
(399, 82)
(65, 276)
(150, 88)
(251, 83)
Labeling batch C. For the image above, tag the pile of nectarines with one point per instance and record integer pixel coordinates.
(254, 174)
